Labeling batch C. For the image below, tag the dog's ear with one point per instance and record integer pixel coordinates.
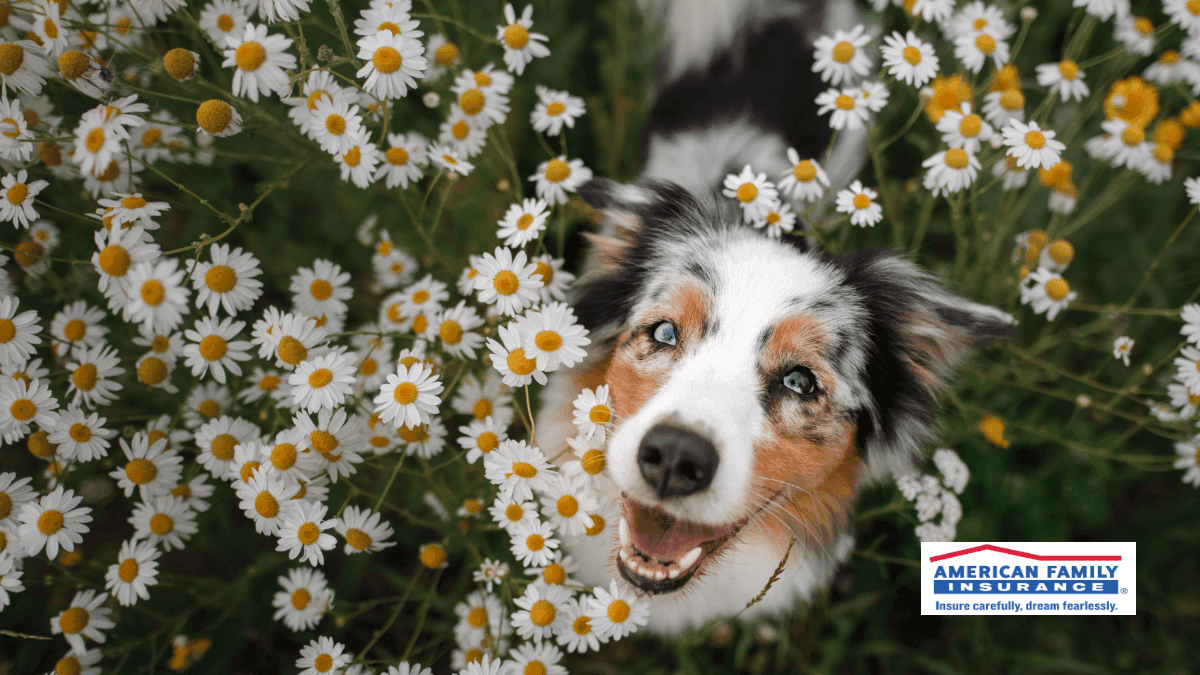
(917, 334)
(635, 221)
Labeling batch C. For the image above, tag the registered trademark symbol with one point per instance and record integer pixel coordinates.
(1124, 591)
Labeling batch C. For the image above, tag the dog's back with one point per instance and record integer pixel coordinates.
(737, 87)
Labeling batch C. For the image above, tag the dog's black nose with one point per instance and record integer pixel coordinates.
(676, 461)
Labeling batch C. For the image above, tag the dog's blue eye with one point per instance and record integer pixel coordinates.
(800, 380)
(665, 333)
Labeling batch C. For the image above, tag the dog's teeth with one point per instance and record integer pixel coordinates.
(660, 575)
(623, 530)
(624, 555)
(674, 573)
(691, 557)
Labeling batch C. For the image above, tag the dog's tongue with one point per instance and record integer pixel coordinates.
(663, 537)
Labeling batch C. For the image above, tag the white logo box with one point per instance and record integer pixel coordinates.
(1019, 578)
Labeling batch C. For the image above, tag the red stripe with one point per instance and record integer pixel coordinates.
(1023, 554)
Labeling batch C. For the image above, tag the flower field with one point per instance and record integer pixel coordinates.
(286, 279)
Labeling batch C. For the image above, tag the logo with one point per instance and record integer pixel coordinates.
(1029, 578)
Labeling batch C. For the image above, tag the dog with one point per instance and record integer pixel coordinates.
(757, 385)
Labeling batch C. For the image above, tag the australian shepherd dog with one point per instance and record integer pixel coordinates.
(757, 384)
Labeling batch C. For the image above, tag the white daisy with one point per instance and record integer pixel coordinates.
(204, 403)
(227, 281)
(263, 498)
(281, 10)
(541, 612)
(286, 459)
(156, 296)
(973, 49)
(258, 60)
(553, 337)
(1032, 146)
(1183, 13)
(1188, 364)
(82, 664)
(481, 437)
(538, 658)
(333, 123)
(860, 203)
(950, 171)
(56, 520)
(334, 439)
(507, 281)
(403, 159)
(23, 66)
(16, 199)
(554, 109)
(423, 440)
(194, 493)
(848, 111)
(592, 460)
(576, 634)
(410, 396)
(556, 177)
(322, 655)
(323, 382)
(14, 493)
(78, 326)
(593, 412)
(135, 569)
(806, 181)
(518, 468)
(167, 521)
(1190, 314)
(93, 375)
(1121, 348)
(1064, 78)
(448, 159)
(302, 532)
(22, 405)
(755, 194)
(568, 503)
(394, 62)
(1047, 291)
(523, 222)
(10, 578)
(509, 359)
(520, 45)
(357, 165)
(363, 530)
(305, 598)
(85, 618)
(508, 512)
(909, 59)
(616, 612)
(964, 129)
(483, 400)
(555, 280)
(18, 332)
(212, 347)
(150, 468)
(80, 437)
(841, 58)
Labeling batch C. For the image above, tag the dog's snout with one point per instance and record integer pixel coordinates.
(675, 461)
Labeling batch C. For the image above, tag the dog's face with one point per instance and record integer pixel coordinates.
(755, 385)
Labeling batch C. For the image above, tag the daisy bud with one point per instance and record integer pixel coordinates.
(218, 118)
(180, 63)
(1029, 13)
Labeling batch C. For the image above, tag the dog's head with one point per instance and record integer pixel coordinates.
(755, 385)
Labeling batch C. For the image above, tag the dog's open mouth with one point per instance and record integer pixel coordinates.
(659, 553)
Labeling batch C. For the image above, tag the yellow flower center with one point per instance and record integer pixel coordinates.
(1163, 153)
(23, 409)
(323, 441)
(582, 625)
(524, 221)
(368, 367)
(214, 116)
(396, 157)
(28, 253)
(152, 371)
(516, 36)
(114, 260)
(300, 598)
(514, 513)
(358, 539)
(460, 130)
(861, 201)
(542, 613)
(50, 522)
(1057, 289)
(249, 56)
(68, 665)
(75, 330)
(1193, 6)
(618, 611)
(291, 351)
(73, 64)
(220, 279)
(985, 44)
(80, 433)
(524, 469)
(321, 377)
(567, 506)
(420, 323)
(554, 574)
(747, 192)
(450, 332)
(85, 377)
(548, 340)
(487, 441)
(1061, 251)
(593, 461)
(912, 55)
(518, 364)
(213, 348)
(600, 414)
(128, 570)
(335, 124)
(353, 157)
(406, 393)
(141, 471)
(50, 28)
(323, 663)
(843, 52)
(597, 525)
(844, 102)
(545, 271)
(1068, 69)
(956, 158)
(74, 620)
(179, 63)
(980, 23)
(805, 171)
(11, 58)
(557, 171)
(506, 283)
(8, 330)
(209, 408)
(152, 292)
(446, 55)
(471, 101)
(308, 534)
(161, 524)
(268, 383)
(182, 490)
(970, 126)
(1035, 140)
(555, 109)
(222, 447)
(1143, 25)
(433, 556)
(1132, 135)
(1012, 100)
